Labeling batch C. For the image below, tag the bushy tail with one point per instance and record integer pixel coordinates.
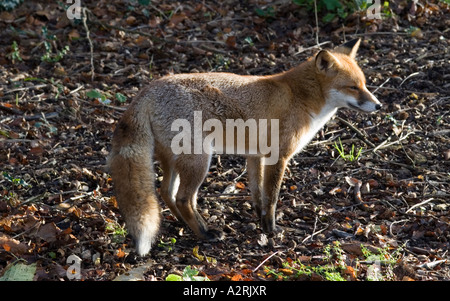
(131, 167)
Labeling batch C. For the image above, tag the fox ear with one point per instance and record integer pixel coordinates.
(326, 63)
(349, 48)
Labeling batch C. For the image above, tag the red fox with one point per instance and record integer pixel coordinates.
(297, 103)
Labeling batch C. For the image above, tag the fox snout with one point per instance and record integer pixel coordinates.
(367, 102)
(360, 100)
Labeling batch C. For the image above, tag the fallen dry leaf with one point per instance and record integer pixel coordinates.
(12, 245)
(48, 232)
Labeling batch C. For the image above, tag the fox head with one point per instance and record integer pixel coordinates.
(342, 81)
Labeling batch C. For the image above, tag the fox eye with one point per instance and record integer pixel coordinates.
(354, 88)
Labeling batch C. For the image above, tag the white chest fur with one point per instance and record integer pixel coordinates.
(316, 123)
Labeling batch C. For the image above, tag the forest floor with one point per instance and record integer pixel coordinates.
(381, 216)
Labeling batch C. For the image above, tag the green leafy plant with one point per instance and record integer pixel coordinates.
(249, 41)
(16, 182)
(120, 97)
(334, 252)
(332, 271)
(381, 263)
(9, 4)
(104, 98)
(59, 87)
(220, 62)
(439, 119)
(141, 5)
(13, 184)
(268, 12)
(15, 53)
(167, 245)
(117, 231)
(45, 124)
(331, 9)
(347, 157)
(189, 274)
(298, 269)
(49, 56)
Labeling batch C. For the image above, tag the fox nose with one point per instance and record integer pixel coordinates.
(378, 106)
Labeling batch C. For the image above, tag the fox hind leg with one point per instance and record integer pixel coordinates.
(169, 186)
(255, 177)
(192, 170)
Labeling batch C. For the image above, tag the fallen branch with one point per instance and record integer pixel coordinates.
(91, 46)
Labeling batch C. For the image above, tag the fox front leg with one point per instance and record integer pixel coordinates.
(273, 176)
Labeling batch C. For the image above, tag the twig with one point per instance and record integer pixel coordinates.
(76, 90)
(400, 90)
(314, 232)
(212, 49)
(384, 144)
(419, 204)
(358, 132)
(427, 55)
(317, 23)
(159, 11)
(32, 199)
(242, 173)
(312, 47)
(396, 222)
(42, 116)
(381, 85)
(408, 77)
(37, 223)
(431, 265)
(85, 194)
(17, 141)
(378, 33)
(265, 261)
(38, 86)
(91, 46)
(122, 109)
(331, 141)
(442, 132)
(150, 36)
